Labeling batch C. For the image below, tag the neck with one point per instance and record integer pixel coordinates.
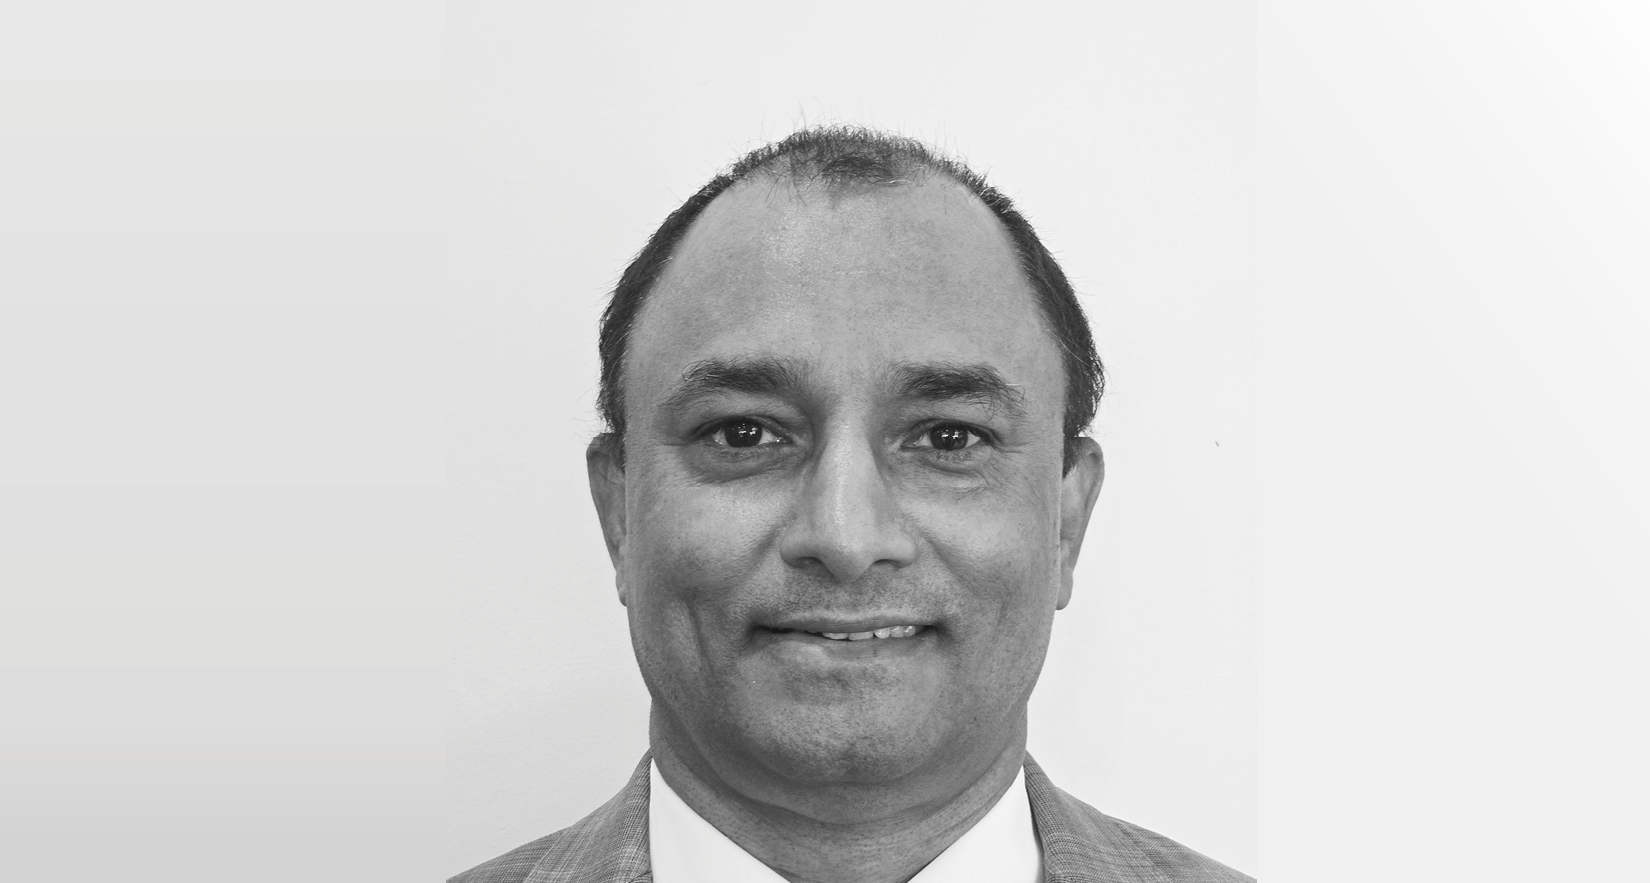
(847, 835)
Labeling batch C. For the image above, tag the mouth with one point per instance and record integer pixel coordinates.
(881, 633)
(832, 641)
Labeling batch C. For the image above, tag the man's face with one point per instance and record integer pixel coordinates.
(844, 416)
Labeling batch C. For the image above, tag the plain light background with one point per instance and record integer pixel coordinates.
(226, 392)
(1452, 341)
(222, 440)
(1126, 133)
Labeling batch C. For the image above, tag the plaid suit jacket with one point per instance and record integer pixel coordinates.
(1080, 845)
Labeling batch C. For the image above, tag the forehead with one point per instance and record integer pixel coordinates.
(845, 279)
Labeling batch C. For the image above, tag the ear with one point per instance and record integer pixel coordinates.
(1078, 490)
(604, 461)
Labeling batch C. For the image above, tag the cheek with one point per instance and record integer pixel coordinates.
(1004, 549)
(1011, 573)
(691, 546)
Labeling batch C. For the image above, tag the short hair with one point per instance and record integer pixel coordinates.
(841, 156)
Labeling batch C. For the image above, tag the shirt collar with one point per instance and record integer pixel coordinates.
(1002, 846)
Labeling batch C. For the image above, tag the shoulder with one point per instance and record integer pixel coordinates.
(1080, 840)
(515, 865)
(1175, 861)
(610, 844)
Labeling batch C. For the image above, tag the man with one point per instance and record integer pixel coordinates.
(844, 491)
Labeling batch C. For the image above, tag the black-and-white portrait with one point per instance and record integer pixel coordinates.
(495, 440)
(1130, 171)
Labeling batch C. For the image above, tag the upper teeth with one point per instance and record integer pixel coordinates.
(892, 631)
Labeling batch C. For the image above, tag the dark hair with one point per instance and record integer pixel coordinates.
(839, 156)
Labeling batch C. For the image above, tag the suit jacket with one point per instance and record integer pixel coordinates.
(1080, 845)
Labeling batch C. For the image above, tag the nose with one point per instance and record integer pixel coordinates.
(847, 518)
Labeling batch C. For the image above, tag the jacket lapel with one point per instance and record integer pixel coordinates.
(607, 846)
(1080, 844)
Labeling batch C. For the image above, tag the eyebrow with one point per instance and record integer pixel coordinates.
(754, 375)
(952, 381)
(781, 378)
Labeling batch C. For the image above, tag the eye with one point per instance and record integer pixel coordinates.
(949, 437)
(742, 433)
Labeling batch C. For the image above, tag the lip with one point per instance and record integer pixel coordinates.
(801, 647)
(837, 625)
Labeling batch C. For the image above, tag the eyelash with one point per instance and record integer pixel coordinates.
(980, 438)
(710, 435)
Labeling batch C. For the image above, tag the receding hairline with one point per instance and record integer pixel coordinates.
(807, 175)
(847, 154)
(841, 174)
(715, 240)
(786, 193)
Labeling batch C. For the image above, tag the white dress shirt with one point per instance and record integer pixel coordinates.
(1002, 846)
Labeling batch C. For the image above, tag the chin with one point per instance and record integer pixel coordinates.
(843, 747)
